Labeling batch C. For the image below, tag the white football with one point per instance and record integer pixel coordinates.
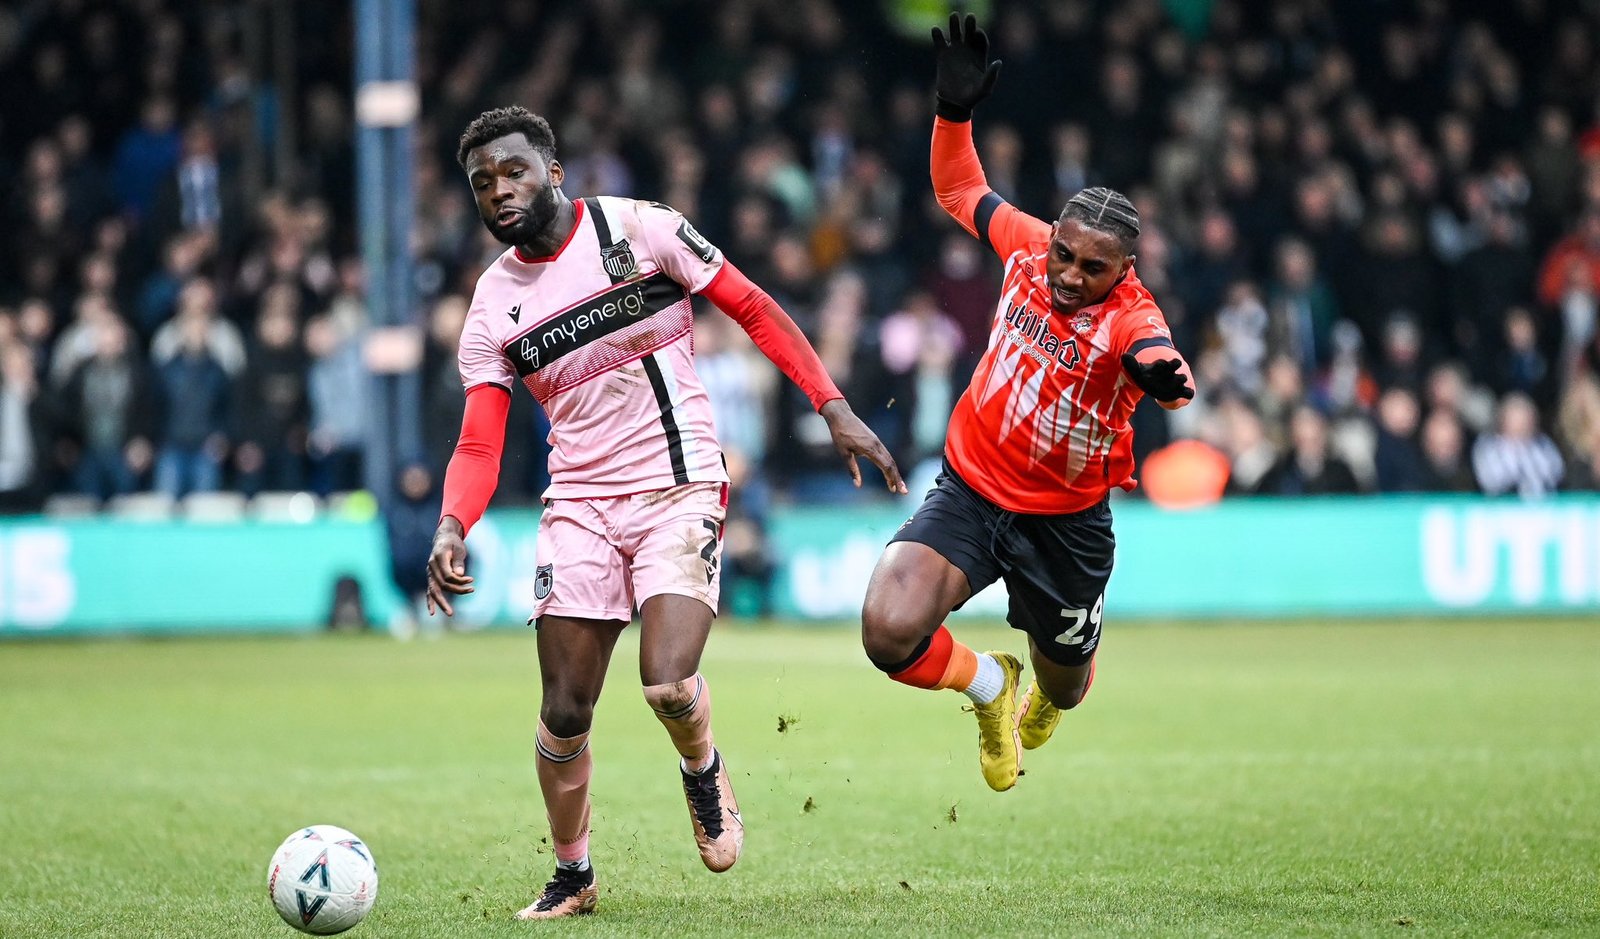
(322, 880)
(331, 833)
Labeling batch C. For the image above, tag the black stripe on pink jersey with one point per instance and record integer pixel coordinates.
(669, 423)
(595, 318)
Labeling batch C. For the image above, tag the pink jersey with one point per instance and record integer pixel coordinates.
(600, 333)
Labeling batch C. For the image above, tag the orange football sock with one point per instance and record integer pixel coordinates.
(945, 663)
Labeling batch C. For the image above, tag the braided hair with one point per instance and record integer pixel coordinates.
(1105, 210)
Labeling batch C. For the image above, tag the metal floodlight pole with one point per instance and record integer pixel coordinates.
(387, 102)
(403, 66)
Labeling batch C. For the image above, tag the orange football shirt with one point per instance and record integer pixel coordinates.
(1043, 427)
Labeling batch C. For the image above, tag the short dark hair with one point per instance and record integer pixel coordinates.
(1105, 210)
(491, 125)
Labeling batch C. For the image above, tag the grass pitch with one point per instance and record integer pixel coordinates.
(1353, 779)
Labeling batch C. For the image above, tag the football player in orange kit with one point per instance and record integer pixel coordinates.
(1036, 443)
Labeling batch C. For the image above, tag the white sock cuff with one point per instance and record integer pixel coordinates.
(989, 682)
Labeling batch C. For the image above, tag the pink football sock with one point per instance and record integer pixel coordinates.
(564, 770)
(684, 709)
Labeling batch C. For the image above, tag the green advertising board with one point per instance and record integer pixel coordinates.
(1242, 558)
(101, 575)
(1332, 556)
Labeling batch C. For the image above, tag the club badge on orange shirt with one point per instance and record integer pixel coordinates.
(1082, 322)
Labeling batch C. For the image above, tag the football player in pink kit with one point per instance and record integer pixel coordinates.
(589, 309)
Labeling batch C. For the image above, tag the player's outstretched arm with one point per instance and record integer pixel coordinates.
(965, 76)
(781, 341)
(1162, 374)
(469, 482)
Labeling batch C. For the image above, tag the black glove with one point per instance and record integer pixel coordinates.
(1160, 379)
(964, 74)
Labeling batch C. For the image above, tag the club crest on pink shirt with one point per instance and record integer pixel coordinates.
(619, 261)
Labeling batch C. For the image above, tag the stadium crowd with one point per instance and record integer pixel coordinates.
(1374, 226)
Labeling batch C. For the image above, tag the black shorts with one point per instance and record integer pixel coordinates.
(1055, 567)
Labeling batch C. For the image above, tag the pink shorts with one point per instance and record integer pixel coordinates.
(601, 558)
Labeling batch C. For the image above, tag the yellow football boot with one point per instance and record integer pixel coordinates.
(1036, 718)
(999, 754)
